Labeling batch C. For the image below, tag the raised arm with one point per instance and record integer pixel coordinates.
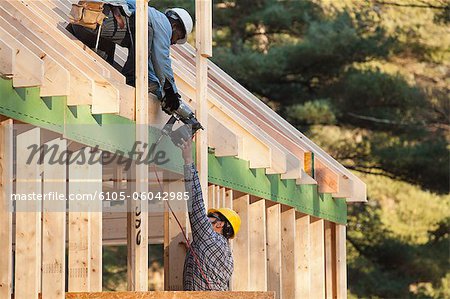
(200, 225)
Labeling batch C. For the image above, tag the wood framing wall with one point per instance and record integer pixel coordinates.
(277, 249)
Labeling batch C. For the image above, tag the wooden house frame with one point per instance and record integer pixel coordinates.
(291, 195)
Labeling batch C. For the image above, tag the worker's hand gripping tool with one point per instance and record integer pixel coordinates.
(179, 111)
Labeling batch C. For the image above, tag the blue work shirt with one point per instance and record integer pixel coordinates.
(159, 64)
(122, 3)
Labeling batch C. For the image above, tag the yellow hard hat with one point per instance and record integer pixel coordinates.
(232, 217)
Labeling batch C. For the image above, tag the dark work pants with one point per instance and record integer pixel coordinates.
(110, 35)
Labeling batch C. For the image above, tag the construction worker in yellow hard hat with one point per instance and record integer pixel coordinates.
(209, 261)
(225, 221)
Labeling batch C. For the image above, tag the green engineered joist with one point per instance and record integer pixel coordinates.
(235, 173)
(24, 104)
(113, 132)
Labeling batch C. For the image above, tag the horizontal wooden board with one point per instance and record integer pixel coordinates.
(172, 295)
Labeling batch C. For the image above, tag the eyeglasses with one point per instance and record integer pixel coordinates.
(215, 216)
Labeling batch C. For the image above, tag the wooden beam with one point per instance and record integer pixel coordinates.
(29, 70)
(79, 251)
(81, 85)
(317, 254)
(6, 189)
(28, 219)
(303, 256)
(49, 12)
(38, 20)
(211, 196)
(55, 77)
(138, 241)
(172, 295)
(241, 245)
(203, 25)
(274, 249)
(54, 225)
(288, 270)
(223, 140)
(175, 240)
(229, 198)
(341, 262)
(284, 128)
(7, 61)
(258, 252)
(330, 260)
(253, 150)
(201, 87)
(106, 96)
(327, 180)
(95, 183)
(115, 228)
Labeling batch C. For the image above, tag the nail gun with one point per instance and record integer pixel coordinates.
(184, 114)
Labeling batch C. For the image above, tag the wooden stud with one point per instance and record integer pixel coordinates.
(6, 188)
(203, 39)
(138, 243)
(288, 234)
(54, 224)
(218, 197)
(341, 261)
(317, 255)
(203, 13)
(29, 70)
(229, 198)
(258, 256)
(241, 245)
(330, 260)
(175, 241)
(274, 249)
(211, 196)
(79, 238)
(28, 219)
(303, 256)
(223, 196)
(95, 183)
(7, 61)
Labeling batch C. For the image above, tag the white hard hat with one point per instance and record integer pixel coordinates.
(185, 19)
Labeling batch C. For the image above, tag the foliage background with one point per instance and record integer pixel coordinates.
(369, 81)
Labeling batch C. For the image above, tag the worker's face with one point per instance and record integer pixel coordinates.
(177, 33)
(216, 223)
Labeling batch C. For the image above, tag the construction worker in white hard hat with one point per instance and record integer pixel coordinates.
(208, 265)
(164, 30)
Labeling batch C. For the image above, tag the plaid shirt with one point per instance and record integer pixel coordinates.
(212, 249)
